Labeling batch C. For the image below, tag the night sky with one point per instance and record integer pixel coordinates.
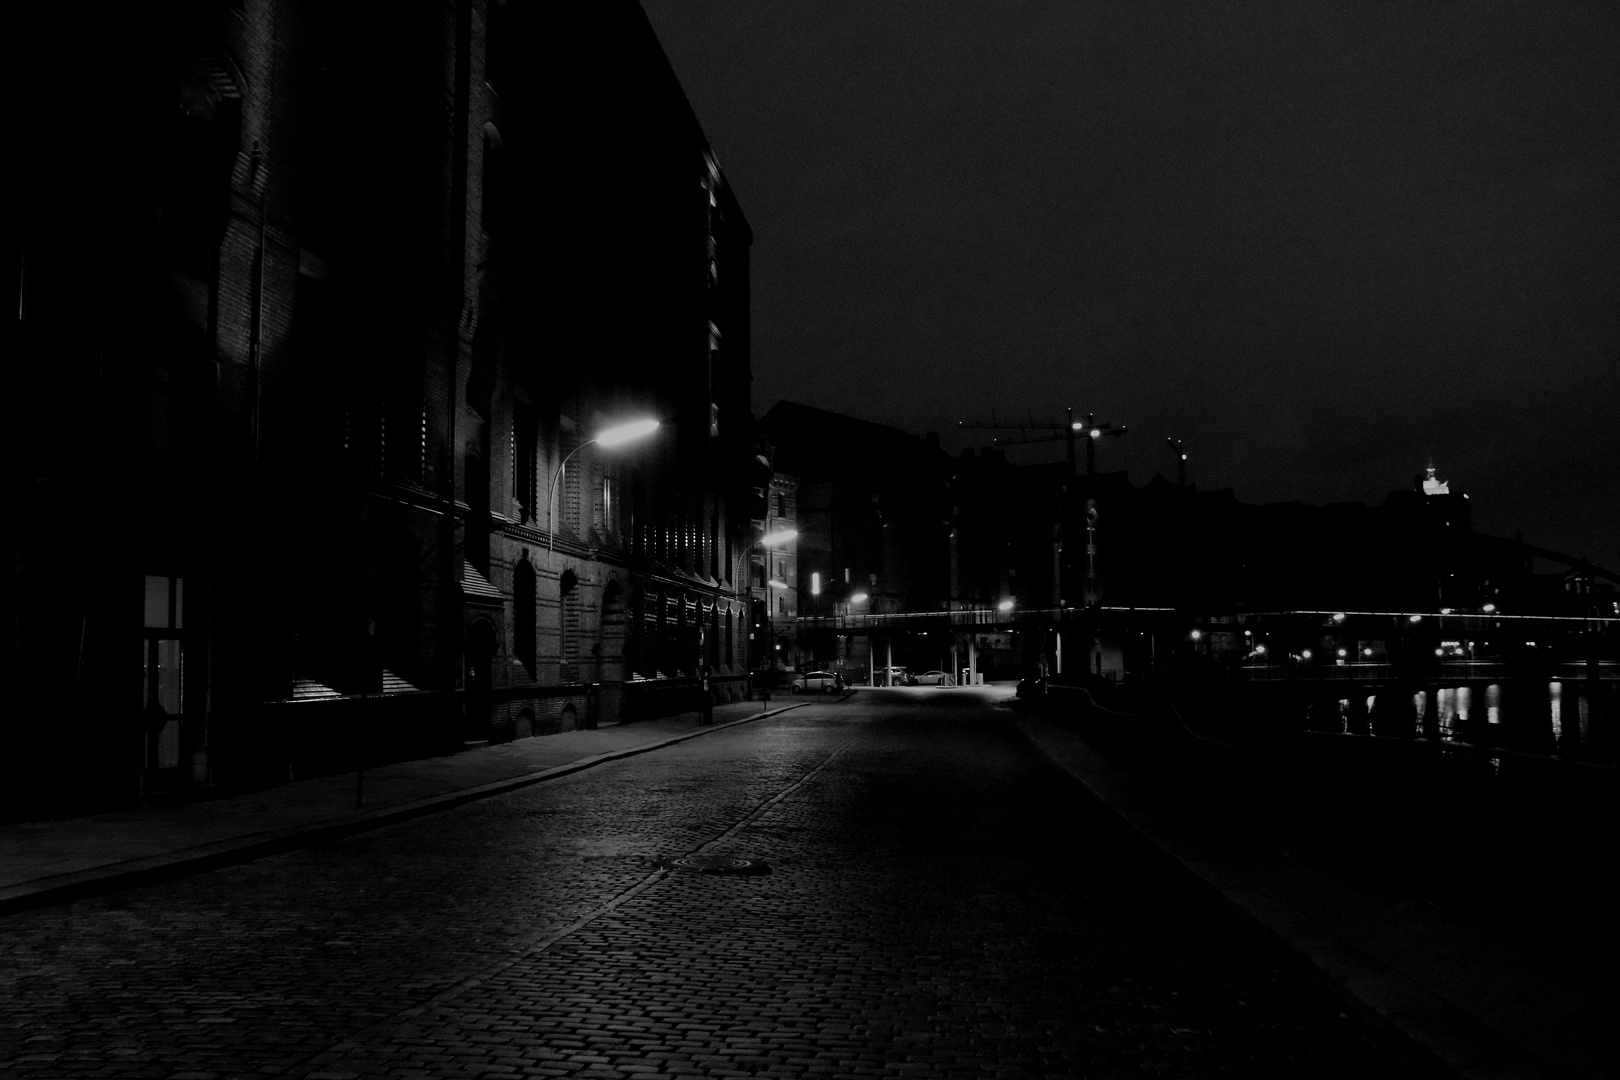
(1322, 243)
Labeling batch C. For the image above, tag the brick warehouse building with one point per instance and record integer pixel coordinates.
(313, 302)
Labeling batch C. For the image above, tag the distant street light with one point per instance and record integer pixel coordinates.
(617, 435)
(1181, 461)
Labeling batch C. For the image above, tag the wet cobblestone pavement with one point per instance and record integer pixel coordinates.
(939, 902)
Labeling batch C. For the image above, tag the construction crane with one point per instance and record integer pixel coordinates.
(1181, 461)
(1090, 428)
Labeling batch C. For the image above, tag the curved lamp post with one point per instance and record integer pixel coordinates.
(617, 435)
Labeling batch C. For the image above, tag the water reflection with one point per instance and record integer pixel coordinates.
(1555, 692)
(1462, 713)
(1457, 709)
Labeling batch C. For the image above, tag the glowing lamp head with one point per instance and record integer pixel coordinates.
(620, 434)
(1005, 605)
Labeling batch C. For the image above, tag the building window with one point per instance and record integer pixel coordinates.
(523, 615)
(492, 200)
(568, 624)
(203, 138)
(525, 450)
(163, 682)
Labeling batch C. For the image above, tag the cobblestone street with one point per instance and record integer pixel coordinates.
(936, 900)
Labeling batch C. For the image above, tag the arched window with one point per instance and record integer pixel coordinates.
(525, 451)
(568, 624)
(523, 615)
(203, 139)
(711, 651)
(476, 493)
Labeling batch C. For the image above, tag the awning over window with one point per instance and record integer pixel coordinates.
(393, 684)
(310, 690)
(474, 586)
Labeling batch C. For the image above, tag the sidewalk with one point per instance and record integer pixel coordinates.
(1484, 1009)
(43, 862)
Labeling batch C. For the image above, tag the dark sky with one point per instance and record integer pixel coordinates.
(1322, 243)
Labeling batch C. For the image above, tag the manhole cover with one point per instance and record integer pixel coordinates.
(715, 864)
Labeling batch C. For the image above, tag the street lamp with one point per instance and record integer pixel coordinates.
(617, 435)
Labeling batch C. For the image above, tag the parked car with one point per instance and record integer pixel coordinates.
(881, 677)
(1031, 686)
(933, 678)
(825, 681)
